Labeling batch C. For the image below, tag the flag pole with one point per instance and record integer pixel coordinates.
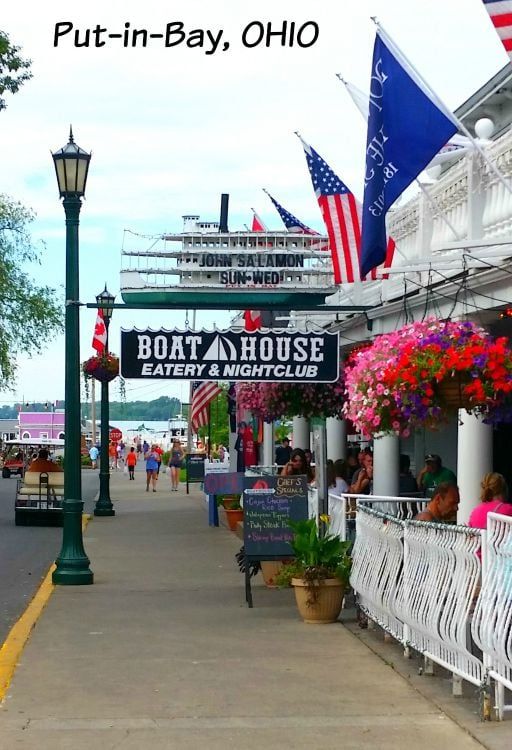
(411, 70)
(209, 431)
(435, 209)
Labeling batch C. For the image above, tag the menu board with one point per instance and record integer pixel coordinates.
(194, 463)
(270, 503)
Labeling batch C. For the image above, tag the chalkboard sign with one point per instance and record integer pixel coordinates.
(270, 503)
(194, 463)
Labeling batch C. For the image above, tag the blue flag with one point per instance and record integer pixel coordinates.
(406, 129)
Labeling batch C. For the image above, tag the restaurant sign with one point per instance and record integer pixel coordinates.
(284, 356)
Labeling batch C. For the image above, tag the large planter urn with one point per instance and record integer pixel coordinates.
(319, 602)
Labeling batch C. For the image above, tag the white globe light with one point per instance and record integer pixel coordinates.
(434, 172)
(484, 127)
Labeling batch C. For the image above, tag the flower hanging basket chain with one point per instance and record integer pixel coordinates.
(104, 367)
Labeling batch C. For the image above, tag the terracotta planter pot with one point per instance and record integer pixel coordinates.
(327, 606)
(233, 517)
(269, 570)
(451, 391)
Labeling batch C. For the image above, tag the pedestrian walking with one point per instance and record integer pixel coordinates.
(151, 458)
(131, 460)
(93, 455)
(112, 455)
(175, 463)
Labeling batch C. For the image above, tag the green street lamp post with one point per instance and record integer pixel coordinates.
(72, 564)
(104, 505)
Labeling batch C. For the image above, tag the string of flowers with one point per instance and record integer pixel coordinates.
(271, 401)
(393, 386)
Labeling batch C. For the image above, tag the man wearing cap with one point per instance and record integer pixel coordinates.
(433, 473)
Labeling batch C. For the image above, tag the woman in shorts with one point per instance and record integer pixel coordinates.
(151, 458)
(175, 464)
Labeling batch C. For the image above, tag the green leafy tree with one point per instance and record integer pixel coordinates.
(14, 70)
(30, 315)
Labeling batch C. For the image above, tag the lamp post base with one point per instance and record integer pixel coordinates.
(104, 505)
(72, 563)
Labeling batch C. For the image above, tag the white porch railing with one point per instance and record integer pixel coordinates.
(418, 581)
(377, 568)
(343, 508)
(492, 621)
(441, 577)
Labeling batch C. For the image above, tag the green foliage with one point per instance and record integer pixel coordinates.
(317, 556)
(30, 315)
(14, 70)
(282, 431)
(230, 502)
(160, 409)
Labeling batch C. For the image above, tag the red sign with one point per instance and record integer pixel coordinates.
(115, 434)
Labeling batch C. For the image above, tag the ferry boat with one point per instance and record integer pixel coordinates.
(208, 265)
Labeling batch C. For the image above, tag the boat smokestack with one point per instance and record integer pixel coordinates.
(224, 204)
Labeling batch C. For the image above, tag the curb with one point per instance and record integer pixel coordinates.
(11, 650)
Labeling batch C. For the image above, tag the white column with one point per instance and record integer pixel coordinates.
(268, 443)
(474, 459)
(386, 468)
(300, 436)
(336, 438)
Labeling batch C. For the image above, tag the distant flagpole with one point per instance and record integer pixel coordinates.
(418, 78)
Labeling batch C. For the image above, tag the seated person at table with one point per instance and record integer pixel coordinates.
(443, 506)
(493, 497)
(433, 474)
(43, 463)
(298, 465)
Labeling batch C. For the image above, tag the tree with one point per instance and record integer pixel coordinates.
(14, 70)
(29, 314)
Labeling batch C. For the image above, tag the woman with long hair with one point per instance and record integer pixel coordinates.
(298, 465)
(493, 499)
(175, 463)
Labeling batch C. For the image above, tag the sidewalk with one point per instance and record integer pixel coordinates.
(162, 652)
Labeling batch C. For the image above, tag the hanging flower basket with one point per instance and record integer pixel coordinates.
(104, 367)
(415, 376)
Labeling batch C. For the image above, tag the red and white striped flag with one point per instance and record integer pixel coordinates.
(99, 339)
(500, 12)
(341, 212)
(202, 394)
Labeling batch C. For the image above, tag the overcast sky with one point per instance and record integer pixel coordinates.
(172, 128)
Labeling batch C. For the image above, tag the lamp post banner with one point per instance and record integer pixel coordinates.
(284, 356)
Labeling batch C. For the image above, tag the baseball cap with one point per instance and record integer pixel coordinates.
(433, 457)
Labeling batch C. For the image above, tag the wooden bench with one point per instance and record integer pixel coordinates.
(39, 498)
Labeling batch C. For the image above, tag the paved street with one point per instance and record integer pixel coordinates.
(162, 652)
(26, 552)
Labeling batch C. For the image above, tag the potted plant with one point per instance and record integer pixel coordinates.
(233, 510)
(320, 571)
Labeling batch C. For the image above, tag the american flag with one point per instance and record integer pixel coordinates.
(289, 220)
(341, 212)
(500, 12)
(202, 394)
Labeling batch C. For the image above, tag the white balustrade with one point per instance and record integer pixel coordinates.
(492, 621)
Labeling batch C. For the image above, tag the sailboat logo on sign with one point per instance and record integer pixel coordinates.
(289, 356)
(218, 350)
